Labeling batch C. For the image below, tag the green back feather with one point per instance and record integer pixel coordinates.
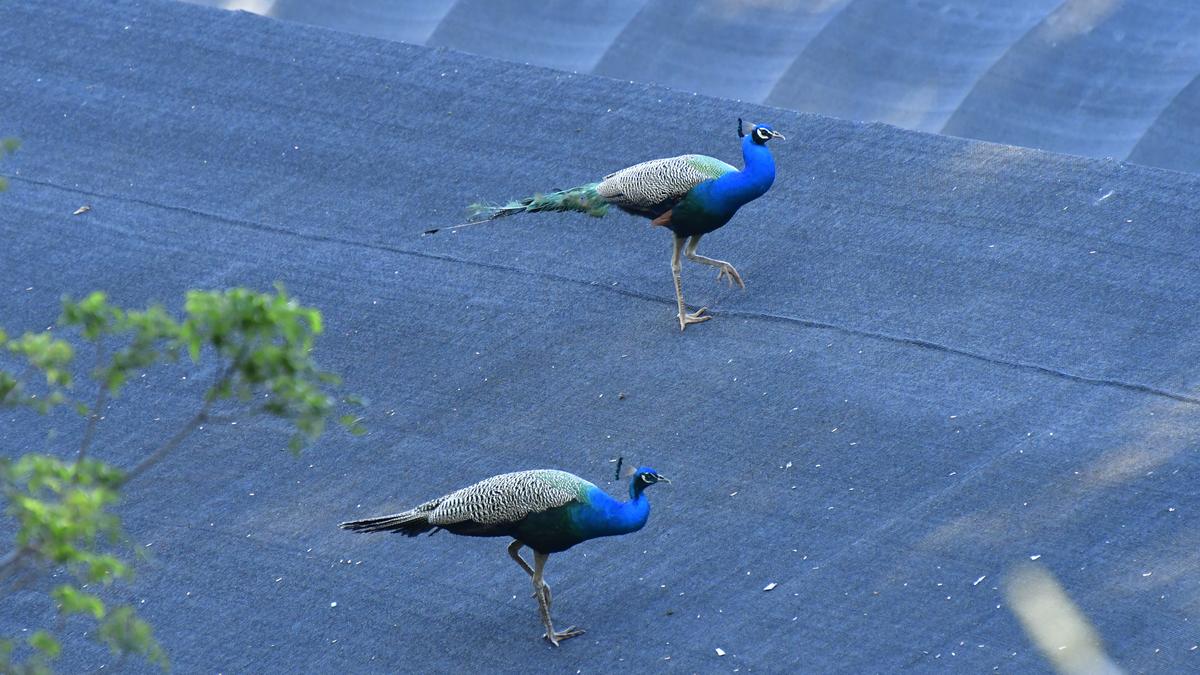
(710, 166)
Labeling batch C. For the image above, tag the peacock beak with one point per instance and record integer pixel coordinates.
(776, 134)
(663, 479)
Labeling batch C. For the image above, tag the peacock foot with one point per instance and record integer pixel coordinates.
(563, 635)
(695, 317)
(728, 272)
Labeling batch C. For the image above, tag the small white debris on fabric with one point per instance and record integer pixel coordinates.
(83, 209)
(720, 652)
(769, 587)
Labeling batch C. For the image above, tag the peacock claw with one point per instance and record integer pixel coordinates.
(695, 317)
(727, 271)
(563, 635)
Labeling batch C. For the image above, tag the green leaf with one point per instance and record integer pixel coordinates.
(125, 633)
(114, 378)
(74, 601)
(45, 643)
(93, 315)
(61, 513)
(44, 352)
(353, 424)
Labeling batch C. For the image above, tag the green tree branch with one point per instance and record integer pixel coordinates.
(261, 343)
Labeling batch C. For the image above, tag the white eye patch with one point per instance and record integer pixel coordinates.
(762, 134)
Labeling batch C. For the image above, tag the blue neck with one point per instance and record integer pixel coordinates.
(632, 515)
(753, 181)
(637, 489)
(606, 516)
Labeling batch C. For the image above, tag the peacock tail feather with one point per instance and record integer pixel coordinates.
(583, 199)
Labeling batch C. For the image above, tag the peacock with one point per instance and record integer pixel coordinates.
(545, 509)
(691, 195)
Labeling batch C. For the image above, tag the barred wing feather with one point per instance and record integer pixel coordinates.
(651, 188)
(506, 498)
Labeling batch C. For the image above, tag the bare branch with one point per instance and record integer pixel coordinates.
(200, 418)
(93, 419)
(12, 559)
(89, 432)
(172, 443)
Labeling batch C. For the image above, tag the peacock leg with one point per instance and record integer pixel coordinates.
(543, 595)
(514, 551)
(684, 318)
(725, 270)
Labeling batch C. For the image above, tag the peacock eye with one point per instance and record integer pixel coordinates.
(762, 133)
(646, 478)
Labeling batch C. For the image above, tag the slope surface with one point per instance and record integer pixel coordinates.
(716, 47)
(1087, 77)
(566, 34)
(404, 20)
(1172, 141)
(905, 63)
(951, 356)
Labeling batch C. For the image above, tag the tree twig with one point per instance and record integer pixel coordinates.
(163, 450)
(90, 431)
(12, 558)
(198, 419)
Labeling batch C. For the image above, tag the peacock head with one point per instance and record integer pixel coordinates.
(759, 133)
(642, 478)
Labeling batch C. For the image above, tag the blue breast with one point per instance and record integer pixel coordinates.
(597, 515)
(712, 203)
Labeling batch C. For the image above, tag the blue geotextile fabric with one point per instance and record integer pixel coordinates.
(1172, 142)
(1099, 78)
(950, 357)
(570, 35)
(715, 47)
(404, 20)
(907, 63)
(1089, 79)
